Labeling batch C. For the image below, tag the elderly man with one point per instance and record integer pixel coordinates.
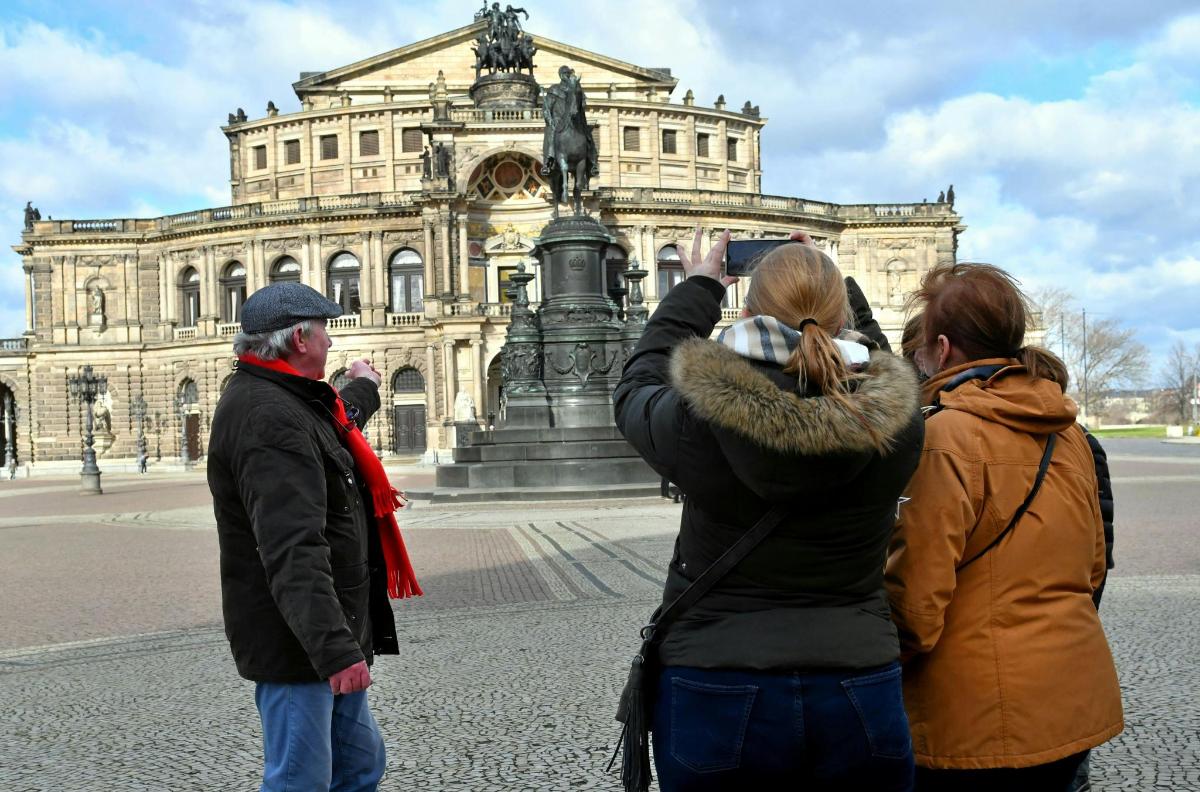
(310, 549)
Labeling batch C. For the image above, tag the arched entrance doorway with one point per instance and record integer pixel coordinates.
(495, 393)
(8, 430)
(408, 412)
(508, 210)
(187, 402)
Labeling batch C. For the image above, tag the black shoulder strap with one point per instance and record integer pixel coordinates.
(733, 556)
(1037, 484)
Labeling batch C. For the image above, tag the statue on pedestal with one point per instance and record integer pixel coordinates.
(464, 408)
(31, 215)
(567, 144)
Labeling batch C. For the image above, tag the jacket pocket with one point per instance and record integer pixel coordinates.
(708, 724)
(353, 588)
(878, 699)
(341, 492)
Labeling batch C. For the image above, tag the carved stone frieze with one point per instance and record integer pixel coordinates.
(282, 245)
(402, 236)
(342, 240)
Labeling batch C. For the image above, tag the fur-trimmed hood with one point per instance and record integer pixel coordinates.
(725, 390)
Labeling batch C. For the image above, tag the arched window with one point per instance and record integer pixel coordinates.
(339, 379)
(285, 269)
(408, 380)
(233, 292)
(670, 270)
(189, 394)
(343, 282)
(407, 277)
(189, 303)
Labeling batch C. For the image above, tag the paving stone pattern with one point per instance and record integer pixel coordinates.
(512, 663)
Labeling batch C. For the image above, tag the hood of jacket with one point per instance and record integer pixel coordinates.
(730, 392)
(1010, 397)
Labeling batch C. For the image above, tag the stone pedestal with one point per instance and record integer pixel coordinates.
(559, 365)
(505, 90)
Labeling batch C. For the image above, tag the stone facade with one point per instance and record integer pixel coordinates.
(394, 193)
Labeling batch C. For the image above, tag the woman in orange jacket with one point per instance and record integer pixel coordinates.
(1008, 678)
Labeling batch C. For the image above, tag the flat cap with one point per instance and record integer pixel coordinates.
(282, 305)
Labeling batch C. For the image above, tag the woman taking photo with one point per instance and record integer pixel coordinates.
(1008, 679)
(784, 675)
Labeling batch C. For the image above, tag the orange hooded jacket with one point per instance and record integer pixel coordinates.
(1005, 662)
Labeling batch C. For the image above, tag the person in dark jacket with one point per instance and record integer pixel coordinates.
(303, 584)
(785, 675)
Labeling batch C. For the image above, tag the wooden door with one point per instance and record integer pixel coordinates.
(192, 424)
(409, 434)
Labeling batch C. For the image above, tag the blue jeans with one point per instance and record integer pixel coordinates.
(720, 730)
(314, 740)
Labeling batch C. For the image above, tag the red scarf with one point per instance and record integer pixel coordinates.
(401, 580)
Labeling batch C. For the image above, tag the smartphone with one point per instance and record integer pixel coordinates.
(741, 255)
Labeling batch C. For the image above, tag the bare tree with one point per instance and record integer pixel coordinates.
(1178, 381)
(1101, 355)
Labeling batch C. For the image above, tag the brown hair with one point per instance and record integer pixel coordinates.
(913, 337)
(796, 282)
(980, 308)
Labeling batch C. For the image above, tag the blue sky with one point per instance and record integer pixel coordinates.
(1070, 130)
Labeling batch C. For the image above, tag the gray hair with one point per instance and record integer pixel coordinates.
(270, 345)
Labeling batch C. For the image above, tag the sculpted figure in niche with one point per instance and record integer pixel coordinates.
(512, 239)
(464, 408)
(101, 418)
(97, 303)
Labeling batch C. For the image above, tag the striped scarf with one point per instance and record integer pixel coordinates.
(767, 339)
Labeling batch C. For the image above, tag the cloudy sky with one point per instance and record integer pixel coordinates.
(1071, 130)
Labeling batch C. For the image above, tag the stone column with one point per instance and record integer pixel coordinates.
(650, 262)
(477, 365)
(464, 256)
(256, 276)
(166, 277)
(379, 278)
(310, 257)
(70, 293)
(30, 322)
(449, 378)
(429, 255)
(366, 279)
(723, 152)
(444, 232)
(431, 410)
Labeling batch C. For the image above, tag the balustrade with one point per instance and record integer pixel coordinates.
(406, 319)
(14, 344)
(348, 322)
(185, 333)
(229, 328)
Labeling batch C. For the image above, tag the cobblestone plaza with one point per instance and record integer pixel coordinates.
(116, 675)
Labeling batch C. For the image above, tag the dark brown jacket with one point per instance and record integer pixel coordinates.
(302, 577)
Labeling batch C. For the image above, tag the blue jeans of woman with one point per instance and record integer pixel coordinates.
(721, 730)
(314, 740)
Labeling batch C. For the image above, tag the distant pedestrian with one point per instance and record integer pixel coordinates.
(999, 555)
(784, 674)
(310, 549)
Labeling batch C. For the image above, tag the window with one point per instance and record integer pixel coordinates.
(329, 148)
(343, 282)
(408, 380)
(407, 273)
(368, 143)
(412, 141)
(670, 270)
(668, 143)
(731, 149)
(291, 152)
(632, 139)
(233, 292)
(702, 145)
(285, 270)
(189, 290)
(260, 157)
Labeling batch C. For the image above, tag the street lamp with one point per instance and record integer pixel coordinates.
(139, 412)
(158, 423)
(85, 388)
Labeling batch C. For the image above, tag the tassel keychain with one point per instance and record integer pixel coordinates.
(635, 734)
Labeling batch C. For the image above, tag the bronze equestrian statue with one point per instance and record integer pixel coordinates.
(568, 147)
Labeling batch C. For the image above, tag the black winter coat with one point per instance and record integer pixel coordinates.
(736, 437)
(303, 582)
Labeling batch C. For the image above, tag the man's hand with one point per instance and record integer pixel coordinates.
(363, 368)
(710, 265)
(351, 680)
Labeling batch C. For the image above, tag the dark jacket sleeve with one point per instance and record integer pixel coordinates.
(363, 394)
(280, 473)
(1104, 479)
(649, 412)
(864, 320)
